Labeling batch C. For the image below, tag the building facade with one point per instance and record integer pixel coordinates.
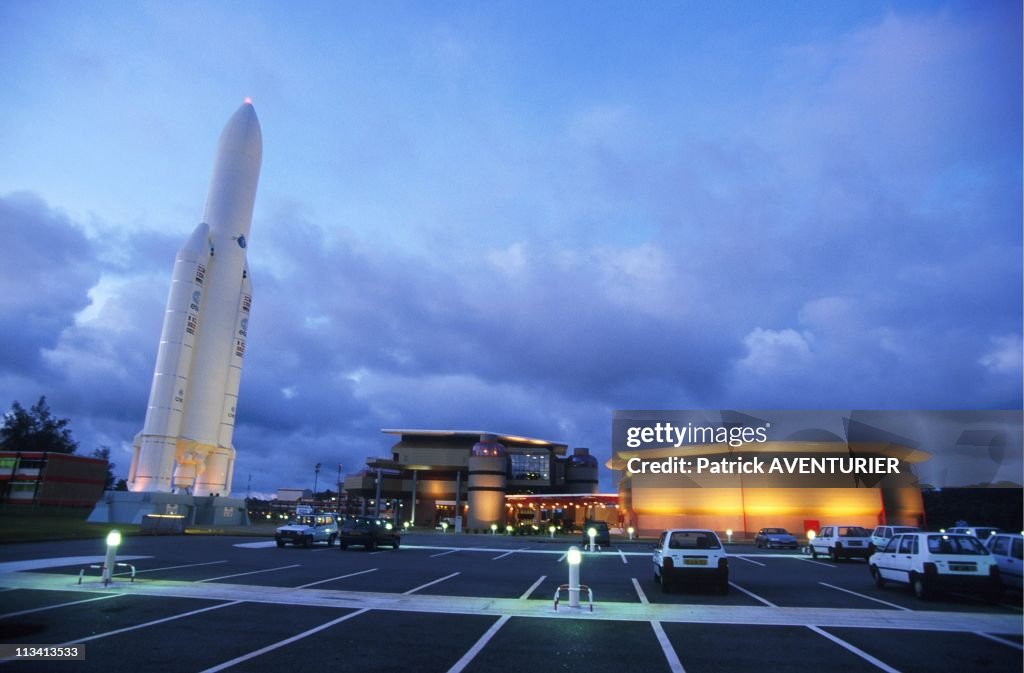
(464, 476)
(50, 479)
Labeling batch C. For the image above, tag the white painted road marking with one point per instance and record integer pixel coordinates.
(623, 557)
(817, 563)
(152, 623)
(39, 564)
(1000, 640)
(877, 600)
(340, 577)
(859, 652)
(424, 586)
(459, 665)
(507, 554)
(754, 596)
(533, 587)
(58, 605)
(744, 558)
(282, 643)
(187, 565)
(444, 553)
(671, 657)
(253, 572)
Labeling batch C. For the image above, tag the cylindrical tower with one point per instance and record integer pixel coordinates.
(581, 472)
(488, 474)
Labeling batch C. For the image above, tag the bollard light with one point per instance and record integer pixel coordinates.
(494, 528)
(405, 525)
(388, 526)
(631, 530)
(509, 529)
(573, 556)
(444, 526)
(592, 532)
(113, 540)
(552, 529)
(728, 534)
(811, 535)
(942, 530)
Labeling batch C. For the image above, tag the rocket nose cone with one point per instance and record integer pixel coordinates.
(242, 133)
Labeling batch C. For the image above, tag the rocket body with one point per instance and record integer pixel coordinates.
(186, 439)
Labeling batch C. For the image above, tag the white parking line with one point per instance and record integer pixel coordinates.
(459, 665)
(58, 605)
(187, 565)
(671, 657)
(507, 554)
(877, 600)
(282, 643)
(424, 586)
(152, 623)
(859, 652)
(562, 557)
(754, 596)
(817, 563)
(253, 572)
(623, 557)
(444, 553)
(340, 577)
(533, 587)
(744, 558)
(1000, 640)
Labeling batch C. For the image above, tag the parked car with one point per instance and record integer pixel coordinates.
(881, 535)
(842, 542)
(779, 538)
(306, 529)
(603, 535)
(929, 562)
(1007, 549)
(980, 532)
(696, 555)
(369, 533)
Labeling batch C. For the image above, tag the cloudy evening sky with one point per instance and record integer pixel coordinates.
(518, 216)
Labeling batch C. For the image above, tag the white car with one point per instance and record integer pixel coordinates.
(842, 542)
(928, 562)
(685, 554)
(881, 535)
(305, 529)
(980, 532)
(1007, 549)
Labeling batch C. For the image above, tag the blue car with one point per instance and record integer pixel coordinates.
(775, 538)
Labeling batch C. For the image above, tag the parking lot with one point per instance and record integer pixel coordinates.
(478, 603)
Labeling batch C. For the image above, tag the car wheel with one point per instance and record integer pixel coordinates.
(920, 587)
(394, 545)
(879, 581)
(307, 541)
(833, 555)
(280, 543)
(666, 579)
(814, 552)
(330, 540)
(371, 545)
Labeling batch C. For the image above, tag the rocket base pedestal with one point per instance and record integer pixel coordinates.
(146, 509)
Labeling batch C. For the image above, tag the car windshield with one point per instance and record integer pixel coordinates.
(905, 529)
(693, 539)
(852, 531)
(303, 521)
(955, 544)
(776, 531)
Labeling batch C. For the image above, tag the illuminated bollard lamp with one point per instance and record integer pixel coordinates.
(110, 561)
(552, 529)
(592, 533)
(573, 558)
(631, 530)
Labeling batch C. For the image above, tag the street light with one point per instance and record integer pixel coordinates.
(573, 557)
(592, 532)
(494, 528)
(552, 529)
(113, 540)
(316, 480)
(728, 534)
(631, 530)
(444, 526)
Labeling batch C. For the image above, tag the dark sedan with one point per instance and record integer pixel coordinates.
(370, 533)
(778, 538)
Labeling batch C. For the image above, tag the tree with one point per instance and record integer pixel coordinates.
(103, 452)
(35, 430)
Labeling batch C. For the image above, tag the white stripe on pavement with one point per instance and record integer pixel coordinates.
(671, 657)
(58, 605)
(754, 596)
(817, 563)
(744, 558)
(282, 643)
(459, 665)
(507, 554)
(424, 586)
(444, 553)
(155, 570)
(877, 600)
(252, 572)
(152, 623)
(533, 587)
(623, 557)
(859, 652)
(999, 640)
(340, 577)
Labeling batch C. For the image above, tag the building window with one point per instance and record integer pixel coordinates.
(531, 466)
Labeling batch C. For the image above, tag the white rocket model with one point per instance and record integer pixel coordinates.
(185, 441)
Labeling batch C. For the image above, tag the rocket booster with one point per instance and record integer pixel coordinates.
(186, 439)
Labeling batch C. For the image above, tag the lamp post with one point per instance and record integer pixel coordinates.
(728, 533)
(113, 540)
(551, 529)
(316, 480)
(573, 558)
(591, 533)
(631, 530)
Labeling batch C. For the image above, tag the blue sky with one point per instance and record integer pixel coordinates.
(519, 216)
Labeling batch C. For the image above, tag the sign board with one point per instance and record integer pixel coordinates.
(303, 509)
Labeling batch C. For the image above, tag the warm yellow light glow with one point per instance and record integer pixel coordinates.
(811, 535)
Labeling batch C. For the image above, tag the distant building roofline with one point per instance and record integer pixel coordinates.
(502, 437)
